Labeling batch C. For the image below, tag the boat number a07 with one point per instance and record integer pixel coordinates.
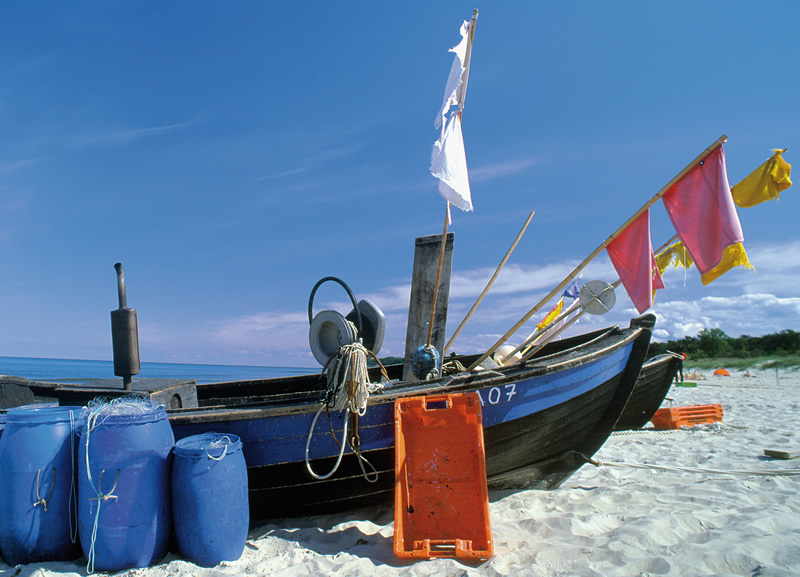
(498, 394)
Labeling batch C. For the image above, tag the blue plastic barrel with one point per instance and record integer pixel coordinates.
(2, 424)
(38, 453)
(209, 498)
(124, 466)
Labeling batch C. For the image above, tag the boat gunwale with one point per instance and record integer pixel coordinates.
(598, 347)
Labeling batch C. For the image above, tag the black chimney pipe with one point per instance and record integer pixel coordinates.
(124, 335)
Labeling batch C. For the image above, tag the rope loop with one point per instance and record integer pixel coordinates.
(41, 501)
(221, 443)
(105, 496)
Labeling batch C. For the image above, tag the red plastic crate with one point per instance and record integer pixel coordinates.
(441, 497)
(676, 417)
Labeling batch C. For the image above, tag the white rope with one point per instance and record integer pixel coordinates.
(100, 410)
(221, 443)
(698, 427)
(644, 432)
(348, 390)
(349, 378)
(761, 473)
(73, 489)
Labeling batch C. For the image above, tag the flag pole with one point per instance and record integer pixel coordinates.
(463, 92)
(716, 144)
(525, 347)
(467, 59)
(438, 277)
(488, 285)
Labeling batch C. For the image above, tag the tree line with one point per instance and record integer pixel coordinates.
(714, 343)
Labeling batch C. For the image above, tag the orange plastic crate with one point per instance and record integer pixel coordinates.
(676, 417)
(441, 506)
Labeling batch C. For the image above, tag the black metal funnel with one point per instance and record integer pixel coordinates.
(124, 335)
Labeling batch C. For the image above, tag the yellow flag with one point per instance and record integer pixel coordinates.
(675, 255)
(551, 316)
(733, 255)
(764, 183)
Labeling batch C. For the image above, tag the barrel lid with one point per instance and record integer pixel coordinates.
(45, 413)
(213, 445)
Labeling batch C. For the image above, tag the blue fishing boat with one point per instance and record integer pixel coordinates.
(544, 415)
(542, 420)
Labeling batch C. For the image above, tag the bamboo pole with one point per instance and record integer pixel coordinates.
(526, 347)
(717, 143)
(489, 284)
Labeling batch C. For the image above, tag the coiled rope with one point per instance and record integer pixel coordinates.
(348, 389)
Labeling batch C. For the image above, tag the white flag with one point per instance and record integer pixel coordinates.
(448, 159)
(449, 165)
(453, 92)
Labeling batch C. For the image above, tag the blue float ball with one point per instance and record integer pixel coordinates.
(425, 360)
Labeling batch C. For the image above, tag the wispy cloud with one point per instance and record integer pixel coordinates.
(501, 169)
(7, 168)
(122, 135)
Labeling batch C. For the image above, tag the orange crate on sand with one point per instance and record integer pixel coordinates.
(441, 505)
(676, 417)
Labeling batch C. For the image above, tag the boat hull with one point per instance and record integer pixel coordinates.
(652, 386)
(541, 421)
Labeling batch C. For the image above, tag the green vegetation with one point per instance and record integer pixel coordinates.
(713, 348)
(790, 362)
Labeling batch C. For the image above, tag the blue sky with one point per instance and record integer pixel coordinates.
(232, 154)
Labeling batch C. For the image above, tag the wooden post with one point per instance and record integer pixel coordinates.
(423, 287)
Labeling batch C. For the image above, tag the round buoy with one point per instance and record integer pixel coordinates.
(597, 297)
(503, 356)
(426, 359)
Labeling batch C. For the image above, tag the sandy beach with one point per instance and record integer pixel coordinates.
(699, 501)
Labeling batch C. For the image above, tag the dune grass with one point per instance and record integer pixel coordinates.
(788, 362)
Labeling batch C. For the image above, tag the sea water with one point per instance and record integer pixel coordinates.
(80, 371)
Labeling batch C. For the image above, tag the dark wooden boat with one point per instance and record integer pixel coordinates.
(651, 388)
(541, 420)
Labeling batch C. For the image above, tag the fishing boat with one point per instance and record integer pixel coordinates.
(542, 419)
(651, 388)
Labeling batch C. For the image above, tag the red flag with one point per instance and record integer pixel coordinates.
(632, 256)
(702, 211)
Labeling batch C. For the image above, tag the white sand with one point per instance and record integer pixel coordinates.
(612, 520)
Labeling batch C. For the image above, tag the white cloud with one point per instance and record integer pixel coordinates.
(121, 136)
(684, 309)
(501, 169)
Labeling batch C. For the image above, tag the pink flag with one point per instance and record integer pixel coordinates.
(702, 211)
(631, 253)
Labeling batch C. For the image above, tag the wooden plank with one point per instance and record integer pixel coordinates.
(423, 281)
(785, 455)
